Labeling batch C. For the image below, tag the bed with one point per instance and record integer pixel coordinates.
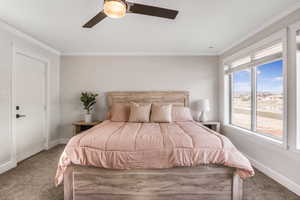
(151, 161)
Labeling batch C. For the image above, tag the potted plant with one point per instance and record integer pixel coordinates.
(88, 100)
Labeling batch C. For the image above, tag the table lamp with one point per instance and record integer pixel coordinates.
(202, 106)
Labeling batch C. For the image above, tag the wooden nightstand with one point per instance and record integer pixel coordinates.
(212, 125)
(82, 126)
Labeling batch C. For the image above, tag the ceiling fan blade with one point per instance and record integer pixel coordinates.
(95, 20)
(151, 10)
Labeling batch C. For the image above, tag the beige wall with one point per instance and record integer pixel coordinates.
(283, 23)
(120, 73)
(7, 39)
(281, 162)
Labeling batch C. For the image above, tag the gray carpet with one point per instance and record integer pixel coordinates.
(33, 180)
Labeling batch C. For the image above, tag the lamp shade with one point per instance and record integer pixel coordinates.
(202, 105)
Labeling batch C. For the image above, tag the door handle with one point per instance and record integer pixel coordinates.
(19, 116)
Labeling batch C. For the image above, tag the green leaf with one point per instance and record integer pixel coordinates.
(88, 100)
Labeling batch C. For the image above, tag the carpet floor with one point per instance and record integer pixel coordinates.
(33, 180)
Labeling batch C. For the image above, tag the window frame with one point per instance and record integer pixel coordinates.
(295, 73)
(280, 36)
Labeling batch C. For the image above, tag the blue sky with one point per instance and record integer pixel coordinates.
(269, 78)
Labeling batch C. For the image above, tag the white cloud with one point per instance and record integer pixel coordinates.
(258, 72)
(280, 78)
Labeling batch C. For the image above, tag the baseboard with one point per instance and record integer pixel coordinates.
(57, 142)
(7, 166)
(281, 179)
(34, 149)
(64, 140)
(53, 144)
(12, 164)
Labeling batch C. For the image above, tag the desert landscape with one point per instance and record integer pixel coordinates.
(269, 112)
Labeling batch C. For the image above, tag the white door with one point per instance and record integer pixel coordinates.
(29, 105)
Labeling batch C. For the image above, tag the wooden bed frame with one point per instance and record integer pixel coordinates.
(183, 183)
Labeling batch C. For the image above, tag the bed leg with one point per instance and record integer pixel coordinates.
(237, 187)
(68, 184)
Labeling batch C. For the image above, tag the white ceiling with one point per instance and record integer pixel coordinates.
(200, 24)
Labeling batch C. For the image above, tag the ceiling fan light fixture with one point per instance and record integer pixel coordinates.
(115, 8)
(119, 8)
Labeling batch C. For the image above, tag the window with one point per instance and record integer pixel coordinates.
(294, 74)
(241, 99)
(256, 91)
(270, 51)
(269, 99)
(240, 62)
(298, 85)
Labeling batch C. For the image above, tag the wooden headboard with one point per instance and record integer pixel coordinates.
(177, 98)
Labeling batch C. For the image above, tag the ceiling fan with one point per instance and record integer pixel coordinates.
(119, 8)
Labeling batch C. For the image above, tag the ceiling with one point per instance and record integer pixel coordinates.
(199, 25)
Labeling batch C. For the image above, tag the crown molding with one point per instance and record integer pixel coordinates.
(137, 54)
(260, 28)
(27, 37)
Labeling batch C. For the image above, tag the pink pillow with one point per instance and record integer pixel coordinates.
(181, 114)
(120, 112)
(161, 113)
(139, 112)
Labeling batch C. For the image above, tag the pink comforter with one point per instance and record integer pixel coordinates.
(121, 145)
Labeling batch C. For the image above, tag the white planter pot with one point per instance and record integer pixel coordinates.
(88, 118)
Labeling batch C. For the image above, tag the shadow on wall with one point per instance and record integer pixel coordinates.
(100, 110)
(193, 107)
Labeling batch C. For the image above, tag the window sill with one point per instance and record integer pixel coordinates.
(258, 137)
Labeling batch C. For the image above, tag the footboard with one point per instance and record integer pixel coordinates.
(202, 182)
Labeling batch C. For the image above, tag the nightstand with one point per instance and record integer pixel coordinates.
(212, 125)
(83, 126)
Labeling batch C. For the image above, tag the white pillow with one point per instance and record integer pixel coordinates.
(181, 114)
